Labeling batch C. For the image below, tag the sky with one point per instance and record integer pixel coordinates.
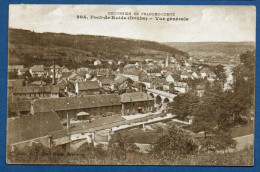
(205, 24)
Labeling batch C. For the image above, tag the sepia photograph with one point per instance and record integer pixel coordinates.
(153, 85)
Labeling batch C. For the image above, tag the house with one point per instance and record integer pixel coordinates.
(136, 102)
(15, 68)
(157, 83)
(39, 128)
(135, 74)
(200, 88)
(103, 72)
(155, 72)
(96, 105)
(97, 62)
(196, 74)
(106, 83)
(37, 71)
(168, 86)
(184, 75)
(110, 62)
(13, 83)
(139, 86)
(173, 77)
(62, 87)
(64, 69)
(207, 73)
(35, 92)
(181, 87)
(66, 75)
(87, 88)
(18, 108)
(120, 62)
(21, 72)
(57, 68)
(189, 69)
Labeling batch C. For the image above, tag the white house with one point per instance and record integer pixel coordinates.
(170, 78)
(184, 75)
(97, 62)
(182, 87)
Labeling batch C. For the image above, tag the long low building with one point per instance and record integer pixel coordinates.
(94, 105)
(31, 92)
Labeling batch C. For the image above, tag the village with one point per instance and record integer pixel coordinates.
(57, 106)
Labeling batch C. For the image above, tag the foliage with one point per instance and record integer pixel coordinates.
(184, 105)
(121, 145)
(242, 99)
(31, 48)
(173, 141)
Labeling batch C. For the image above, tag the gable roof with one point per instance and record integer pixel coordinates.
(184, 72)
(15, 83)
(15, 67)
(37, 68)
(206, 70)
(88, 85)
(105, 80)
(62, 84)
(32, 126)
(19, 106)
(66, 74)
(69, 103)
(135, 97)
(37, 89)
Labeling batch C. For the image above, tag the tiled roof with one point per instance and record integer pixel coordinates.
(135, 97)
(32, 126)
(62, 84)
(66, 74)
(69, 103)
(16, 106)
(180, 84)
(15, 67)
(88, 85)
(184, 73)
(82, 73)
(37, 68)
(15, 83)
(106, 80)
(37, 89)
(98, 124)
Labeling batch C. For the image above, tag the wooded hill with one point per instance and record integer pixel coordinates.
(29, 48)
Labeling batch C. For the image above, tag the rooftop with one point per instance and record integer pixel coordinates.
(135, 97)
(70, 103)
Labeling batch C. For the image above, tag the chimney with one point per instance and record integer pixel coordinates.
(32, 109)
(68, 122)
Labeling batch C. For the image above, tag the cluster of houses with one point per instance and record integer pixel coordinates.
(89, 94)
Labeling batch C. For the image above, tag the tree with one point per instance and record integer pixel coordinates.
(220, 72)
(184, 105)
(210, 110)
(242, 101)
(173, 141)
(121, 144)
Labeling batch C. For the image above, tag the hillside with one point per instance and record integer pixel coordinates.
(28, 48)
(214, 52)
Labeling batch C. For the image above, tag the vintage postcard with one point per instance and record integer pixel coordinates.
(131, 85)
